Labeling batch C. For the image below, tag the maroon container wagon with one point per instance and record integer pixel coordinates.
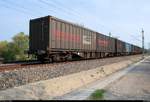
(105, 45)
(120, 47)
(55, 39)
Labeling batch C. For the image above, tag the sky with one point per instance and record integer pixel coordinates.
(123, 18)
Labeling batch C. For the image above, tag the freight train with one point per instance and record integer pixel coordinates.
(54, 39)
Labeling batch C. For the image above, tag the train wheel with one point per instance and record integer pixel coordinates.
(50, 60)
(69, 57)
(56, 58)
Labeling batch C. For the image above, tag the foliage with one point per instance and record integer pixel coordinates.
(3, 45)
(14, 50)
(21, 43)
(97, 95)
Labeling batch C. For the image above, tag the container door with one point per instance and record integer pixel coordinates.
(39, 34)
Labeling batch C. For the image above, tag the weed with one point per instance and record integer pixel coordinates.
(97, 95)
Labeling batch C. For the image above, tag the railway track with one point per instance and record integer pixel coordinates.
(9, 67)
(21, 74)
(35, 63)
(26, 64)
(17, 64)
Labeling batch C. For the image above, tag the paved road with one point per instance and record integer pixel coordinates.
(130, 83)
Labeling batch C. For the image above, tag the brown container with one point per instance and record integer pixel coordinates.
(39, 34)
(52, 34)
(105, 43)
(120, 46)
(136, 49)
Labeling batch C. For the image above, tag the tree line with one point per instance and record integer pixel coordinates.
(14, 50)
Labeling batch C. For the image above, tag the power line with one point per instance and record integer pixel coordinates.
(18, 10)
(49, 4)
(135, 38)
(67, 10)
(55, 6)
(25, 10)
(21, 8)
(43, 7)
(43, 2)
(86, 18)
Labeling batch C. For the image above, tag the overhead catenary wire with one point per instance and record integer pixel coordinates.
(81, 15)
(100, 26)
(48, 4)
(69, 10)
(58, 7)
(23, 7)
(16, 8)
(43, 8)
(137, 38)
(66, 10)
(20, 8)
(59, 3)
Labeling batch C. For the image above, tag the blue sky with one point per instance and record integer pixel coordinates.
(123, 18)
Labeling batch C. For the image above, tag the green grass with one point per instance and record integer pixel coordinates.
(97, 95)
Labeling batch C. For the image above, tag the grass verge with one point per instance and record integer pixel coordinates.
(97, 95)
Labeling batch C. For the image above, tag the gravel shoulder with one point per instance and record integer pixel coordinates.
(15, 78)
(49, 89)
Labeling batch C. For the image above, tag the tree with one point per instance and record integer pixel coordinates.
(9, 53)
(21, 43)
(15, 50)
(6, 50)
(3, 45)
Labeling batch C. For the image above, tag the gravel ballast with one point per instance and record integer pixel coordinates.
(9, 79)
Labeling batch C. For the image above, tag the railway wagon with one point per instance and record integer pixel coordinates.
(136, 49)
(105, 45)
(120, 47)
(56, 39)
(128, 48)
(133, 49)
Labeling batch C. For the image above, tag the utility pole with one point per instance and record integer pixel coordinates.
(143, 43)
